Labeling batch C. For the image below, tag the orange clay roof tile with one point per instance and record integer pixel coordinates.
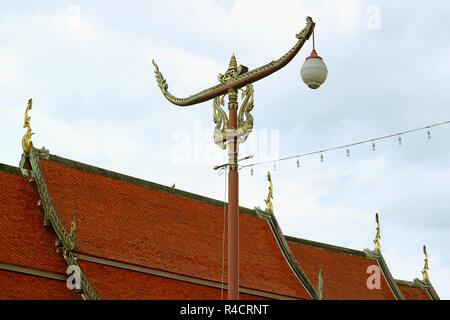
(138, 225)
(18, 286)
(413, 293)
(148, 226)
(115, 283)
(344, 275)
(24, 240)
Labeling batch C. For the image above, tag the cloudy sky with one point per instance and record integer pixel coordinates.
(87, 66)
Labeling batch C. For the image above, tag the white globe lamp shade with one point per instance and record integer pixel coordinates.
(314, 71)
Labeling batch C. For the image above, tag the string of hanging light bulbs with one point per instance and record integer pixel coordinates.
(347, 146)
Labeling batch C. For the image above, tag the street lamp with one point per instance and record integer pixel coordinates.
(234, 129)
(314, 71)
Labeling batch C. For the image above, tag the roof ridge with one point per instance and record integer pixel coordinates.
(143, 183)
(11, 169)
(416, 284)
(326, 246)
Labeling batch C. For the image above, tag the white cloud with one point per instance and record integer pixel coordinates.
(72, 24)
(185, 73)
(97, 101)
(8, 67)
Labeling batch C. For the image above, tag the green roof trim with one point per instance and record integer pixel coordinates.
(405, 283)
(68, 240)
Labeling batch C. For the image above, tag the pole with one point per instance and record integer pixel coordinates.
(234, 78)
(233, 202)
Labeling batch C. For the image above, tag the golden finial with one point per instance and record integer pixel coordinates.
(270, 195)
(233, 71)
(378, 236)
(26, 140)
(425, 267)
(233, 63)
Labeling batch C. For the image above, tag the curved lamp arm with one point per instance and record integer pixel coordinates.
(242, 79)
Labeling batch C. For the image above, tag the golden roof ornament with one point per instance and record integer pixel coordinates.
(233, 63)
(425, 267)
(377, 236)
(26, 140)
(221, 120)
(268, 201)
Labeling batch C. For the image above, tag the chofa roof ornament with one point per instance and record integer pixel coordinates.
(377, 236)
(26, 140)
(269, 205)
(425, 267)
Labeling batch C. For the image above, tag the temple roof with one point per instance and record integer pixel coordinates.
(344, 271)
(145, 225)
(30, 268)
(411, 291)
(157, 242)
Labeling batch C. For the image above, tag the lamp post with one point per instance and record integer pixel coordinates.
(232, 130)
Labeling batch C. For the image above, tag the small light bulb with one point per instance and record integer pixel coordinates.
(298, 163)
(399, 140)
(373, 146)
(429, 134)
(321, 158)
(251, 171)
(274, 167)
(348, 152)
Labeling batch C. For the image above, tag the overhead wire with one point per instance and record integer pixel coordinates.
(350, 145)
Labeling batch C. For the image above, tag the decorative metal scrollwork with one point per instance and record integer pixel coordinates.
(221, 120)
(245, 125)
